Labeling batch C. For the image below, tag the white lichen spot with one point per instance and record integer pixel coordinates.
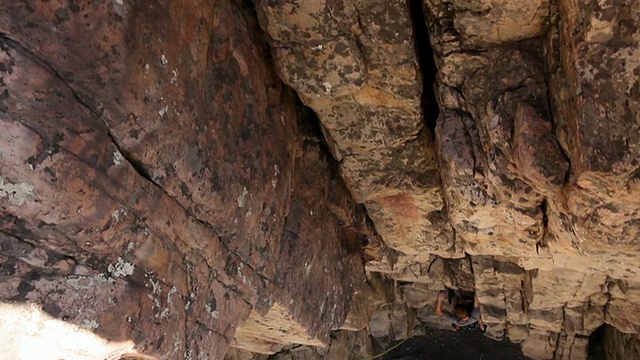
(174, 77)
(248, 214)
(171, 292)
(121, 268)
(164, 60)
(147, 67)
(242, 197)
(163, 111)
(17, 193)
(117, 158)
(165, 313)
(90, 324)
(276, 171)
(130, 247)
(156, 305)
(214, 313)
(327, 87)
(307, 267)
(317, 47)
(155, 286)
(115, 215)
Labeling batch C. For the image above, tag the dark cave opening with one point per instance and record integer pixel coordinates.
(596, 344)
(426, 62)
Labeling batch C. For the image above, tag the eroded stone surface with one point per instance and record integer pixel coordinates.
(355, 64)
(159, 183)
(150, 158)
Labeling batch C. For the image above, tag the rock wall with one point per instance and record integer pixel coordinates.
(159, 184)
(620, 345)
(533, 169)
(508, 90)
(155, 172)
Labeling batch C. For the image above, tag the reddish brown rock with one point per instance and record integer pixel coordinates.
(152, 145)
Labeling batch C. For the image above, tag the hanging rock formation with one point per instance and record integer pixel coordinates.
(535, 143)
(162, 185)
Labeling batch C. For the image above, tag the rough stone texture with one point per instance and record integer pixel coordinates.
(368, 299)
(355, 64)
(537, 162)
(159, 184)
(621, 346)
(151, 160)
(342, 345)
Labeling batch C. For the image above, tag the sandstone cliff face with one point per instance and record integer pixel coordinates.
(534, 145)
(160, 184)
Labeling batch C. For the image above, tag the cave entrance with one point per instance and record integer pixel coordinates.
(596, 343)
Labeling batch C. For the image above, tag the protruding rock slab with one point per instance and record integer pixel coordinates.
(355, 64)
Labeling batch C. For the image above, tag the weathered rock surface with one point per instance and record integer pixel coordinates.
(159, 184)
(621, 346)
(536, 190)
(355, 64)
(542, 208)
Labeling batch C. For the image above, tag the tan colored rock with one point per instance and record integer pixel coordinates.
(596, 115)
(354, 63)
(498, 21)
(375, 292)
(540, 344)
(407, 268)
(536, 153)
(276, 327)
(572, 347)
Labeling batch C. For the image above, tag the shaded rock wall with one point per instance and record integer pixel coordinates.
(620, 345)
(159, 184)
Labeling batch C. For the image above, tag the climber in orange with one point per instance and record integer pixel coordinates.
(462, 317)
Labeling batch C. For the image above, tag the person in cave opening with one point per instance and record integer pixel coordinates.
(463, 317)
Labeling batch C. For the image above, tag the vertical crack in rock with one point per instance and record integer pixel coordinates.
(426, 62)
(543, 240)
